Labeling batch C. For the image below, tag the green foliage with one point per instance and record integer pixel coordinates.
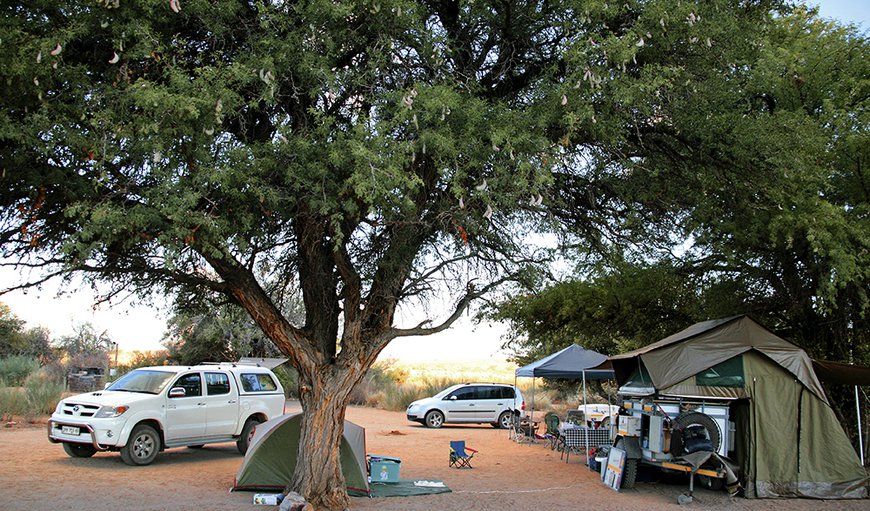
(86, 342)
(768, 209)
(289, 379)
(16, 340)
(12, 401)
(15, 370)
(42, 393)
(221, 334)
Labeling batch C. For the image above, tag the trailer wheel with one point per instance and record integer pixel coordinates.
(629, 471)
(690, 419)
(711, 483)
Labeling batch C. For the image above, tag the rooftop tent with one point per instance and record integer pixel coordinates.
(789, 442)
(271, 457)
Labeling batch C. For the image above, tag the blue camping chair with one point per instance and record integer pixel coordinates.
(459, 454)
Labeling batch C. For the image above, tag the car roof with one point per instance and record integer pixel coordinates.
(206, 367)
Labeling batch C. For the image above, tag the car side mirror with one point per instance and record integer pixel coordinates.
(177, 392)
(452, 398)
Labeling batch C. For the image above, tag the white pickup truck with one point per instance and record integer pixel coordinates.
(154, 408)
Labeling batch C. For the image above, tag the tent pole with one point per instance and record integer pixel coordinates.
(511, 431)
(585, 418)
(860, 435)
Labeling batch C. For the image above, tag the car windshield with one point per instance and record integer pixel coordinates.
(446, 391)
(140, 380)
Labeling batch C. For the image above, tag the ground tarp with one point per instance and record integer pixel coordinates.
(407, 488)
(272, 455)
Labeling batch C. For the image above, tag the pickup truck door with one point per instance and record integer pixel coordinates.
(186, 415)
(221, 404)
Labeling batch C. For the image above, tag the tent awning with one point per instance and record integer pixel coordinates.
(838, 372)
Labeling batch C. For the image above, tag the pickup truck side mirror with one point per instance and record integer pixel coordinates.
(177, 392)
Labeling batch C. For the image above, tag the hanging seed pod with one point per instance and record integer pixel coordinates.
(488, 213)
(114, 59)
(57, 49)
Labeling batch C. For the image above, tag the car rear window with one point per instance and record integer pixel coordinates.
(258, 382)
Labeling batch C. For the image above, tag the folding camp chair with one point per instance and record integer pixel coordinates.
(459, 454)
(552, 421)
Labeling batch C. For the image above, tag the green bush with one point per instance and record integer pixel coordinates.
(41, 394)
(288, 378)
(12, 401)
(14, 369)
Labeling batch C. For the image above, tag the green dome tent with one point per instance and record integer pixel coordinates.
(789, 441)
(272, 454)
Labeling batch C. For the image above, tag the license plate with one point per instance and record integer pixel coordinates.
(69, 430)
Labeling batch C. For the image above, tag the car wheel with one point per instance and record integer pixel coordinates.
(244, 441)
(79, 450)
(434, 419)
(505, 420)
(142, 446)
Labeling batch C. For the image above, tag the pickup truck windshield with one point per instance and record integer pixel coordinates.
(149, 382)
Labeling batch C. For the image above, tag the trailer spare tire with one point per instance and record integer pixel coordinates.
(694, 431)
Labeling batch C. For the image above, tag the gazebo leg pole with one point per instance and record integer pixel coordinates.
(860, 434)
(585, 419)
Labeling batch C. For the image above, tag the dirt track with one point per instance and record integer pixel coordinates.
(37, 475)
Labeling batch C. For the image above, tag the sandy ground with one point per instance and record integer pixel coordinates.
(37, 475)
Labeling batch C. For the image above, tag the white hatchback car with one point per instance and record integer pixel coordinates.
(480, 403)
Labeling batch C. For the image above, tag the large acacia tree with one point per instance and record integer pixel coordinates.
(367, 152)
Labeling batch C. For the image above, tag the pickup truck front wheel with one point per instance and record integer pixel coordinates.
(142, 447)
(247, 434)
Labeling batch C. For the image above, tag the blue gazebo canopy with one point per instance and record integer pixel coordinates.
(570, 363)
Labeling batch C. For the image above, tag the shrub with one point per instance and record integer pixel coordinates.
(41, 394)
(288, 378)
(14, 369)
(12, 401)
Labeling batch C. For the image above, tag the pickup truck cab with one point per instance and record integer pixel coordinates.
(154, 408)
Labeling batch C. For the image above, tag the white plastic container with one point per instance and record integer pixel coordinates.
(268, 499)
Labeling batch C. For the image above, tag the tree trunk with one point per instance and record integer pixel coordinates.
(324, 398)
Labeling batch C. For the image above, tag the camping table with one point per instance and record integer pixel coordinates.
(576, 435)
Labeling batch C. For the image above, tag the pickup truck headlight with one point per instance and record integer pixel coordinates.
(107, 412)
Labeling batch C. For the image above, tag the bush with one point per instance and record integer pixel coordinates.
(12, 401)
(41, 394)
(14, 369)
(288, 378)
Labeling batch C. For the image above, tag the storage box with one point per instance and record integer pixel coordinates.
(268, 499)
(629, 425)
(384, 471)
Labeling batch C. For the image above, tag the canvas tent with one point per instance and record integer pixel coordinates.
(272, 454)
(788, 440)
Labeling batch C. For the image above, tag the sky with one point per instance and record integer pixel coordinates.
(138, 327)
